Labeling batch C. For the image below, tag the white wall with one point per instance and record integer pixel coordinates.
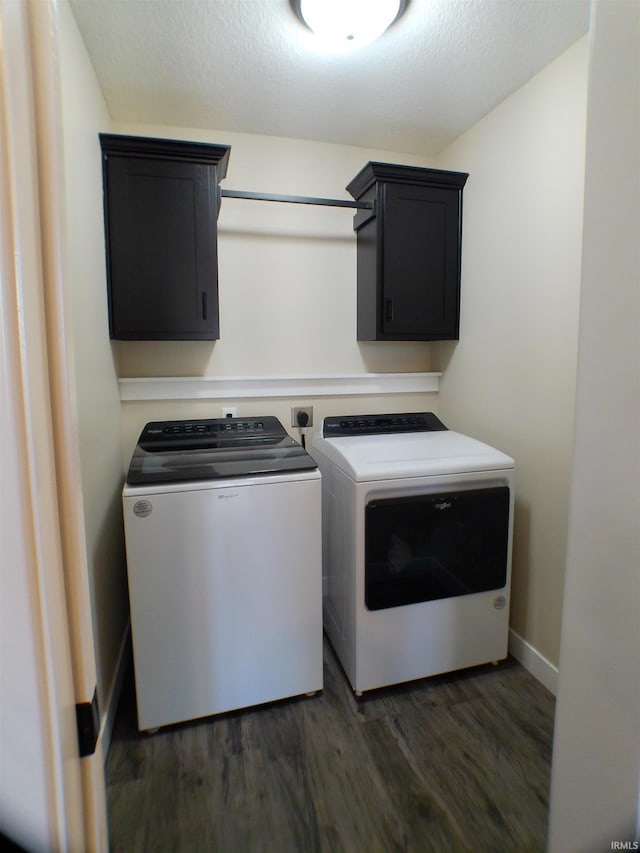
(596, 761)
(97, 393)
(510, 380)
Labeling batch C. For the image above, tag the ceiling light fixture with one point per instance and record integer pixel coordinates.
(348, 23)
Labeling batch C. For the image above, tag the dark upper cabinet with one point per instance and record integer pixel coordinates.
(409, 248)
(161, 205)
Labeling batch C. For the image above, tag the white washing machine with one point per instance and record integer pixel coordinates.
(417, 535)
(223, 538)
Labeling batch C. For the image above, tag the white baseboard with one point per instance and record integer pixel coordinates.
(111, 705)
(531, 659)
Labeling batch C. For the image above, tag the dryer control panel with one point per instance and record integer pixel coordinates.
(381, 424)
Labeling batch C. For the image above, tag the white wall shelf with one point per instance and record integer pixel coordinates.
(244, 387)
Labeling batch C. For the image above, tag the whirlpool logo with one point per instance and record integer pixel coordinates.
(443, 505)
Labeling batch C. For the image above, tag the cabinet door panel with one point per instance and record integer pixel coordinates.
(420, 264)
(162, 249)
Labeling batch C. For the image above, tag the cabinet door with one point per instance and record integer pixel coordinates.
(420, 262)
(161, 221)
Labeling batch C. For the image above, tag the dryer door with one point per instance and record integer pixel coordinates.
(434, 546)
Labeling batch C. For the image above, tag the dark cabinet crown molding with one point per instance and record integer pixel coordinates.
(375, 172)
(167, 149)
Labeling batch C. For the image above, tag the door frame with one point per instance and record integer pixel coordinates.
(48, 578)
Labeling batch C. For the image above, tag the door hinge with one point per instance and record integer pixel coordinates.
(88, 722)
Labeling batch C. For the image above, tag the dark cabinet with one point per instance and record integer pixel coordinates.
(161, 202)
(409, 249)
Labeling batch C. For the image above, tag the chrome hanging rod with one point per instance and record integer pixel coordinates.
(297, 199)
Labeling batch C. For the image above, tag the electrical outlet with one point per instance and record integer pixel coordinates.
(298, 414)
(229, 411)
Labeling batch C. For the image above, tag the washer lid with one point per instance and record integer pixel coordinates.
(182, 451)
(402, 456)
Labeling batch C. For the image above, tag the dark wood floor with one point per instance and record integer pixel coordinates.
(452, 763)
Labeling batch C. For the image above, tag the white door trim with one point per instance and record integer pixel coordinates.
(48, 579)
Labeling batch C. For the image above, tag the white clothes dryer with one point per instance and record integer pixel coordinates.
(417, 535)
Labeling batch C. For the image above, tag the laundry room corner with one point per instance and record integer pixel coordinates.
(510, 379)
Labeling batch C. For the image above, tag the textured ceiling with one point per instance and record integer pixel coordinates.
(250, 65)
